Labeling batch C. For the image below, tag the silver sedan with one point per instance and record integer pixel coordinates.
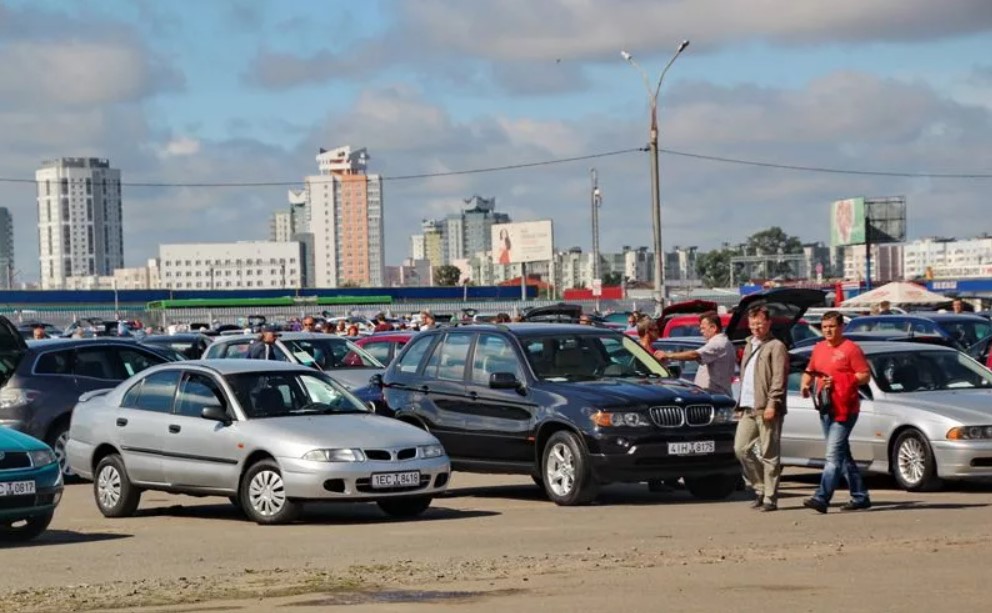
(268, 435)
(926, 416)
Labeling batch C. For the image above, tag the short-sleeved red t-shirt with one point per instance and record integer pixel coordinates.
(840, 363)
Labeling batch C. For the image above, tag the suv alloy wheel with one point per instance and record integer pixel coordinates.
(568, 479)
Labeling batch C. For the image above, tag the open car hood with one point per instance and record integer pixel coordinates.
(690, 307)
(786, 304)
(561, 312)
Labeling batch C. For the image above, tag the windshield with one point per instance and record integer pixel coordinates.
(967, 333)
(280, 394)
(917, 371)
(330, 353)
(575, 357)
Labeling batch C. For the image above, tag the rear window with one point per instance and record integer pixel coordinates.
(54, 363)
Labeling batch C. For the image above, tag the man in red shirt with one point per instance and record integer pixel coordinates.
(839, 366)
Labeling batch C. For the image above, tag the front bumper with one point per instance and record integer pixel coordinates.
(350, 481)
(633, 457)
(963, 459)
(48, 493)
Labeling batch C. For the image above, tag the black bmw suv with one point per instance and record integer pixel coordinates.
(574, 406)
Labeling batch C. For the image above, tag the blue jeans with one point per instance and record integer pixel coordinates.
(840, 463)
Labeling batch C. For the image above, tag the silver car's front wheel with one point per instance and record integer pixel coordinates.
(263, 495)
(913, 464)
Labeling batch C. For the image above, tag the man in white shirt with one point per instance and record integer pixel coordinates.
(717, 358)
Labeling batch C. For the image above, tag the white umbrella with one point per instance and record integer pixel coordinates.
(897, 292)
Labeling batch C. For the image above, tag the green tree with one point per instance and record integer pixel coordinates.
(713, 267)
(612, 279)
(350, 284)
(771, 241)
(447, 275)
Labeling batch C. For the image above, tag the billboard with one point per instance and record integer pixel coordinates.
(856, 221)
(847, 222)
(528, 241)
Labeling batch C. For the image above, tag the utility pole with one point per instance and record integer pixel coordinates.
(596, 198)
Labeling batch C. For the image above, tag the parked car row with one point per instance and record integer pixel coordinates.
(575, 407)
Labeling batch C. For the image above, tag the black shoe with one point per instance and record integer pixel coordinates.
(856, 506)
(768, 507)
(758, 501)
(816, 504)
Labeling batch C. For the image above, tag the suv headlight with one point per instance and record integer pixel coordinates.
(430, 451)
(335, 455)
(613, 419)
(970, 433)
(41, 457)
(724, 415)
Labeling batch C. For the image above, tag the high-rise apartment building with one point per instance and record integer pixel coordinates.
(6, 249)
(459, 236)
(80, 229)
(345, 218)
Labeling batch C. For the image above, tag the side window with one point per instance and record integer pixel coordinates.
(54, 363)
(196, 392)
(157, 392)
(379, 350)
(96, 363)
(130, 400)
(134, 361)
(237, 350)
(493, 354)
(410, 360)
(451, 356)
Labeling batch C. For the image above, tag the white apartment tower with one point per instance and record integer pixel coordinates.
(80, 230)
(346, 220)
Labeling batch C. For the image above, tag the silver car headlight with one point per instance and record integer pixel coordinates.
(430, 451)
(335, 455)
(41, 457)
(724, 415)
(614, 419)
(970, 433)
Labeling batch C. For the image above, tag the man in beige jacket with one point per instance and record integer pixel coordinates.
(761, 408)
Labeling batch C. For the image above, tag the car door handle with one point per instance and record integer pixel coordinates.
(121, 422)
(173, 428)
(473, 396)
(425, 389)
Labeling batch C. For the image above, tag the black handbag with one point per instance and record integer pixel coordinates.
(822, 401)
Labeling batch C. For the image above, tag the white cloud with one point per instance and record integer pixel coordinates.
(181, 146)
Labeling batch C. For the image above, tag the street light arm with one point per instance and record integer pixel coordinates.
(644, 74)
(675, 56)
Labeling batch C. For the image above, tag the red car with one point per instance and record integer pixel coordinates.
(385, 346)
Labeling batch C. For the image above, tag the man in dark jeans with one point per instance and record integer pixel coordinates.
(839, 365)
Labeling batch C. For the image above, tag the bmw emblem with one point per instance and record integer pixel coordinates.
(678, 399)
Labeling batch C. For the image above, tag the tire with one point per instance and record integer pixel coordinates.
(236, 502)
(913, 465)
(565, 470)
(56, 439)
(31, 528)
(263, 495)
(112, 489)
(408, 506)
(712, 487)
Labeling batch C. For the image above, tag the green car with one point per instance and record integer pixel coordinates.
(30, 486)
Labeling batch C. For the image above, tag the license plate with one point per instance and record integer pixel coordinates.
(405, 479)
(691, 448)
(16, 488)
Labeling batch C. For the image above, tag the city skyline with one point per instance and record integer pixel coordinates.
(427, 94)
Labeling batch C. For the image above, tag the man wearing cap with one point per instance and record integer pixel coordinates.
(265, 347)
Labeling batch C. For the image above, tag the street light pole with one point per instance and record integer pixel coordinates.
(597, 201)
(659, 255)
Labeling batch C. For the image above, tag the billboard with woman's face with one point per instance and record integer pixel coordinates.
(528, 241)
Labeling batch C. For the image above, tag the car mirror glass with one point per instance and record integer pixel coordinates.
(215, 412)
(503, 381)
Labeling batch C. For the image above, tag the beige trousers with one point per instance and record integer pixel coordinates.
(762, 465)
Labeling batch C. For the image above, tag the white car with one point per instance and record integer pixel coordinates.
(926, 416)
(268, 435)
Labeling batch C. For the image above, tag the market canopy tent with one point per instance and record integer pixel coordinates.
(897, 293)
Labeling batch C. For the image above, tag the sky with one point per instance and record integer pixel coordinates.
(232, 91)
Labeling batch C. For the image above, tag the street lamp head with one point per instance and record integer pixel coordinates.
(682, 46)
(626, 56)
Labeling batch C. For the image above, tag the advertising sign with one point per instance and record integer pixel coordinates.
(597, 287)
(847, 222)
(528, 241)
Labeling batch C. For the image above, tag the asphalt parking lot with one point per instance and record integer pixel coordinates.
(493, 543)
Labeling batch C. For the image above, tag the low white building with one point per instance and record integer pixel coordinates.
(938, 258)
(240, 265)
